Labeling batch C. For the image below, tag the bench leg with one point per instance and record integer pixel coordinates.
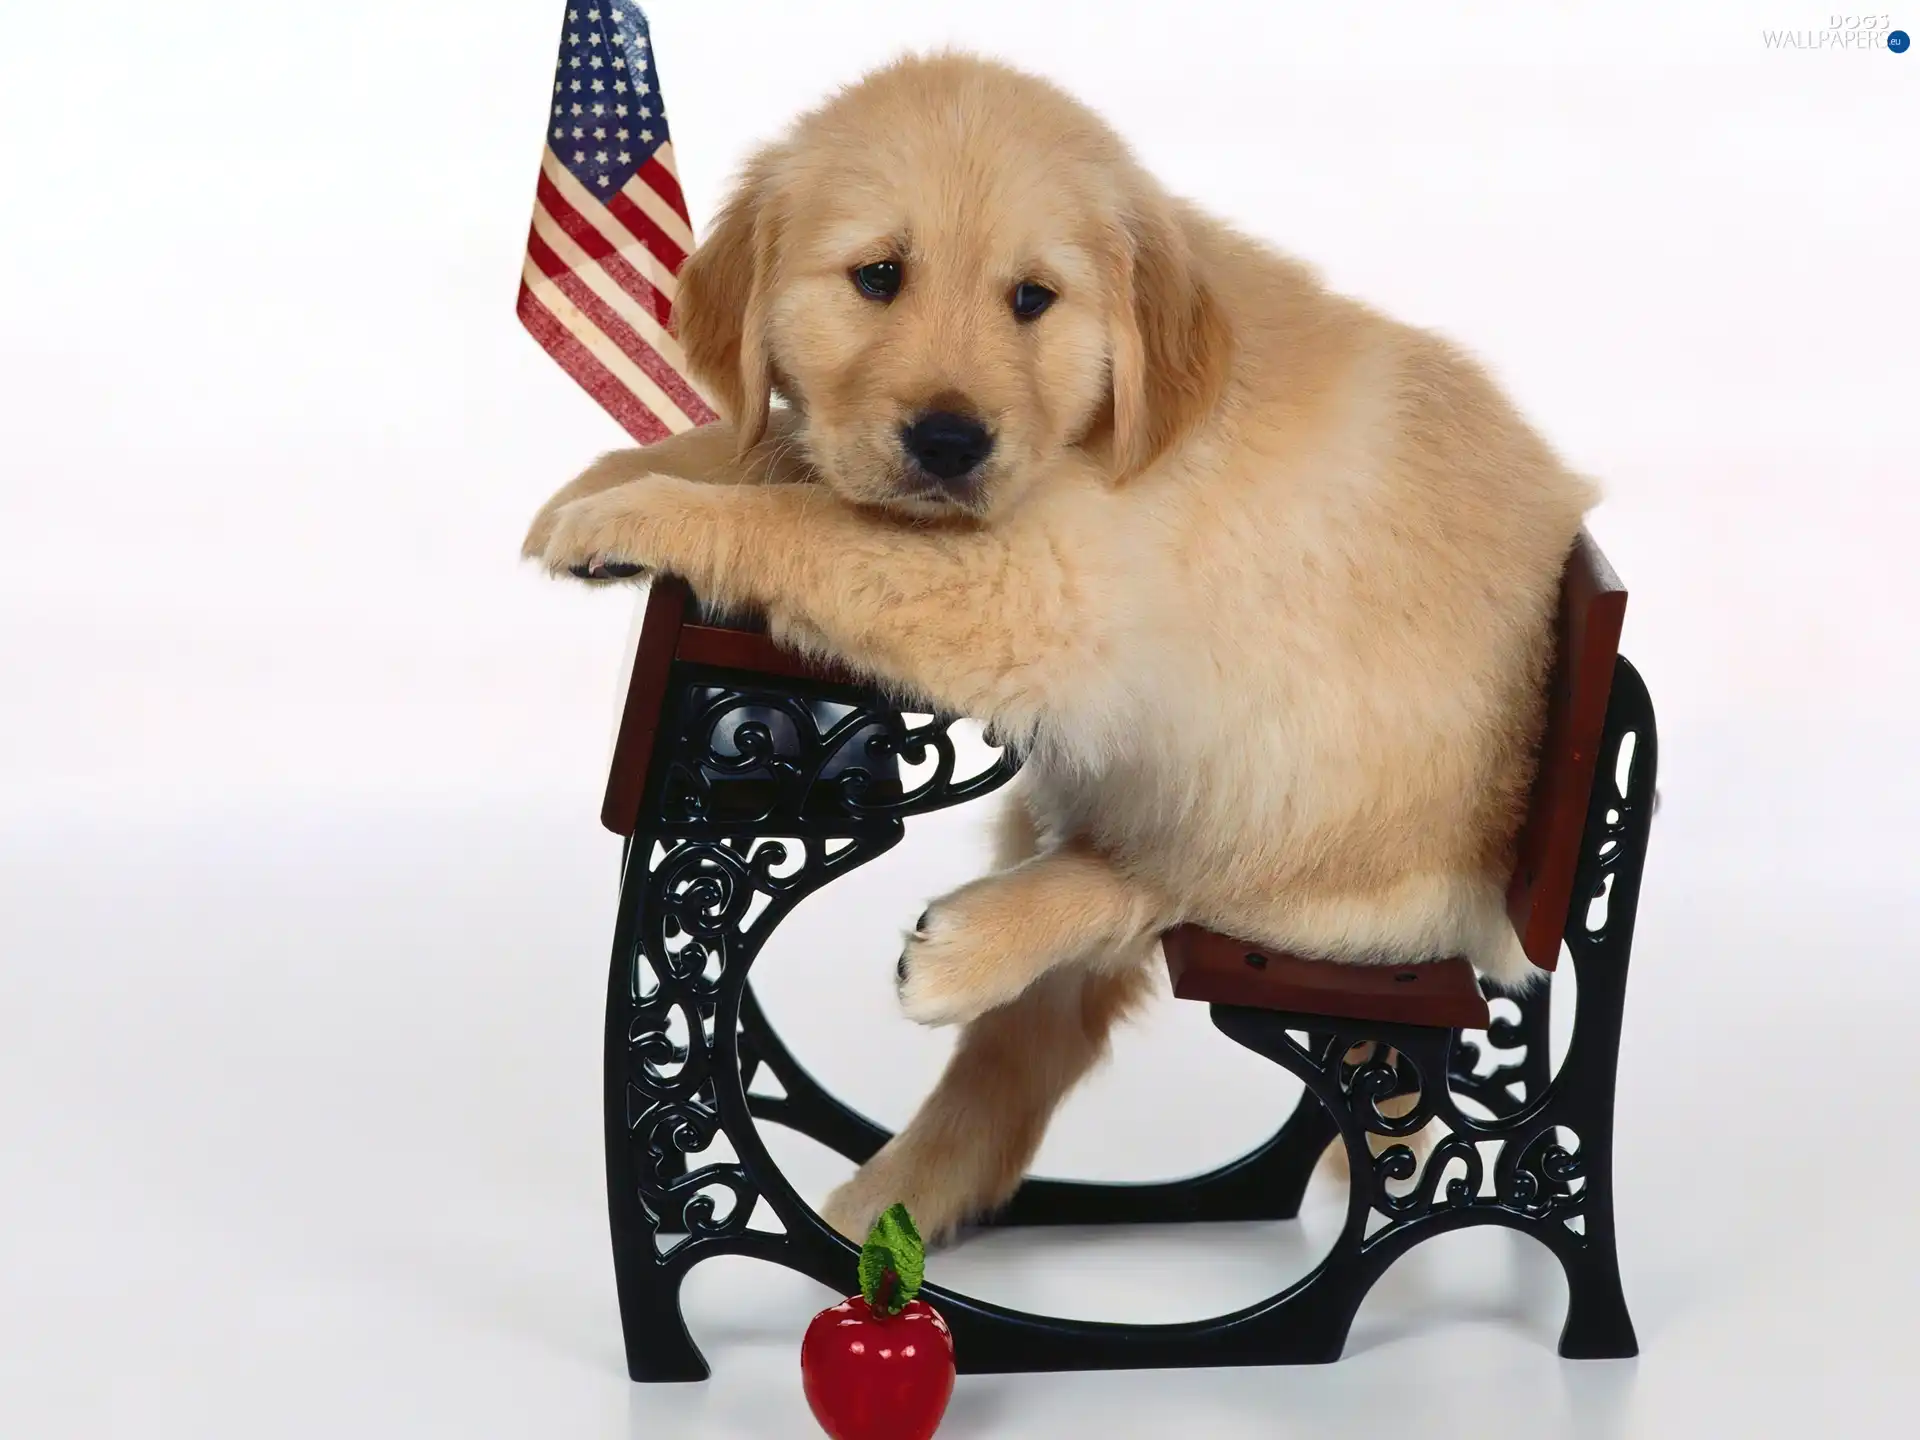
(1582, 1099)
(674, 1084)
(1598, 1326)
(1546, 1180)
(658, 1346)
(1599, 937)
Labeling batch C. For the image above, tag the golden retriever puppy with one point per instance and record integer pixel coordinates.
(1258, 580)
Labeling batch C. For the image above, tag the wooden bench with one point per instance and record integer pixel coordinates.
(744, 779)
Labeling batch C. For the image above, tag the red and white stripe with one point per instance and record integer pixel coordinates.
(597, 292)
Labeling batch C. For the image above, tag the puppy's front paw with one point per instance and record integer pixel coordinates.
(534, 546)
(597, 538)
(950, 972)
(607, 473)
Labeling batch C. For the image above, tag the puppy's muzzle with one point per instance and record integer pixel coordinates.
(948, 448)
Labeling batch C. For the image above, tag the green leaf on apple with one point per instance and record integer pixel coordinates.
(893, 1262)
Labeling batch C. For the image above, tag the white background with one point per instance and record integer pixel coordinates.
(303, 902)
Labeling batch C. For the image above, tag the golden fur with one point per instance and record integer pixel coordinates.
(1258, 579)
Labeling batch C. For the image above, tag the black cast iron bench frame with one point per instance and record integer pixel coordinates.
(746, 780)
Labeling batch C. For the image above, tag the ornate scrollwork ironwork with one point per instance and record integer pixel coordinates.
(705, 907)
(1398, 1163)
(1543, 1181)
(1439, 1160)
(763, 794)
(1513, 1050)
(766, 757)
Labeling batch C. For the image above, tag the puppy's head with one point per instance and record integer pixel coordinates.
(954, 273)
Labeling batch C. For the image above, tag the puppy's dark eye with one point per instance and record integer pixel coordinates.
(880, 280)
(1030, 299)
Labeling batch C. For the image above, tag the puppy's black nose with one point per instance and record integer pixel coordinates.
(945, 445)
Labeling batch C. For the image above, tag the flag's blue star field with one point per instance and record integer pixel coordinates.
(606, 114)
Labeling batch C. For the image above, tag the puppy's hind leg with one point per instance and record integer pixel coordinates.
(969, 1144)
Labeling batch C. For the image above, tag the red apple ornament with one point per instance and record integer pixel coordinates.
(880, 1366)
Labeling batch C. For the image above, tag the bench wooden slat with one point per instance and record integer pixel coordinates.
(1219, 970)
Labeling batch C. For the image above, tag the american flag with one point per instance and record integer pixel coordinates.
(610, 228)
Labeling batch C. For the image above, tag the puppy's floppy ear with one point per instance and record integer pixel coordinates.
(720, 313)
(1171, 342)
